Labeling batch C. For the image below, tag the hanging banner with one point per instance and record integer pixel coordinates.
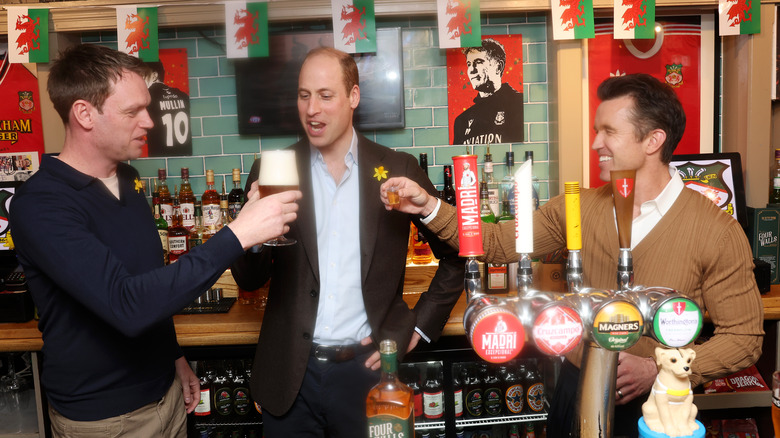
(246, 29)
(171, 135)
(459, 24)
(572, 19)
(739, 17)
(354, 26)
(634, 19)
(28, 34)
(21, 127)
(136, 32)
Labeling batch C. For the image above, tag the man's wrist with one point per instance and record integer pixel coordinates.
(430, 210)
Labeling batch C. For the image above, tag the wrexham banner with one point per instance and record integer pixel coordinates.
(354, 27)
(572, 19)
(136, 32)
(246, 29)
(28, 34)
(634, 19)
(459, 24)
(739, 17)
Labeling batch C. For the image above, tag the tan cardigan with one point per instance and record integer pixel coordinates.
(696, 249)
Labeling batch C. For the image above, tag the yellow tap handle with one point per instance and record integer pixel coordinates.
(573, 221)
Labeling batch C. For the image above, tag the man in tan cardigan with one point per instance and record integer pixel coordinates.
(680, 240)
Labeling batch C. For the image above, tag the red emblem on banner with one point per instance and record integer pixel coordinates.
(625, 186)
(679, 307)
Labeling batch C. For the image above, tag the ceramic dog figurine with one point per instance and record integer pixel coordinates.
(669, 409)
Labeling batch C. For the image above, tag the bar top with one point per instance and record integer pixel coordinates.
(241, 325)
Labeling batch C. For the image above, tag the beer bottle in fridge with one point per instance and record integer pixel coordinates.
(534, 391)
(514, 395)
(242, 404)
(493, 395)
(203, 409)
(433, 395)
(473, 391)
(457, 390)
(222, 394)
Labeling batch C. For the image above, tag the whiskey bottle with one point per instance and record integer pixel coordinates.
(449, 191)
(186, 200)
(390, 405)
(178, 236)
(166, 203)
(224, 206)
(210, 204)
(433, 395)
(494, 196)
(160, 222)
(236, 196)
(197, 234)
(774, 197)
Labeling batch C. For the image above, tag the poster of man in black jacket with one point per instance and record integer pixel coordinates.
(496, 115)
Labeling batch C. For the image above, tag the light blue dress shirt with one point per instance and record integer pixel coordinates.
(341, 313)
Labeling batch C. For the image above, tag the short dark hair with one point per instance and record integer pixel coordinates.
(656, 106)
(492, 48)
(88, 72)
(346, 61)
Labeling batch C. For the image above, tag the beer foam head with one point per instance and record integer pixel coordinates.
(278, 168)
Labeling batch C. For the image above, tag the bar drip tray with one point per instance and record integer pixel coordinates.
(221, 306)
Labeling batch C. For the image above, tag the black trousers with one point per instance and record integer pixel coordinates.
(560, 419)
(331, 402)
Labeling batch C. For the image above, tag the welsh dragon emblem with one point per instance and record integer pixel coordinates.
(459, 24)
(635, 14)
(571, 16)
(27, 39)
(353, 29)
(738, 12)
(137, 38)
(246, 33)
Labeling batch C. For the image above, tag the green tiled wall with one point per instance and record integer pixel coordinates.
(218, 146)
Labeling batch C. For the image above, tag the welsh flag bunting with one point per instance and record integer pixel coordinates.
(246, 29)
(739, 17)
(572, 19)
(28, 34)
(634, 19)
(354, 28)
(136, 32)
(459, 24)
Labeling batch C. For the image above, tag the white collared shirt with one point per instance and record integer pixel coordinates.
(653, 210)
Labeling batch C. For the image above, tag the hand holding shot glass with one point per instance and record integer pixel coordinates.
(278, 173)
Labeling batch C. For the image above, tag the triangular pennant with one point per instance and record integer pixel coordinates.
(459, 23)
(28, 34)
(136, 32)
(354, 26)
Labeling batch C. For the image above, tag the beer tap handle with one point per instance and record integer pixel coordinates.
(525, 275)
(573, 236)
(473, 281)
(623, 196)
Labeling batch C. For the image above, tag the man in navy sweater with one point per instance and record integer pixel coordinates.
(94, 263)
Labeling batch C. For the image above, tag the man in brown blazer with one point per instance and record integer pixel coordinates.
(338, 291)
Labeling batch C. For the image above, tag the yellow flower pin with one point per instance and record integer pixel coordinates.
(138, 185)
(380, 172)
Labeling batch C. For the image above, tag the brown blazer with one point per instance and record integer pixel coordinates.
(288, 324)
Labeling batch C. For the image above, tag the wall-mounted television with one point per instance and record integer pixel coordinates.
(717, 176)
(266, 88)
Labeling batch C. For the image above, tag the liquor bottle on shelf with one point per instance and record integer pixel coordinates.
(457, 391)
(160, 222)
(197, 234)
(389, 405)
(494, 196)
(421, 251)
(210, 204)
(178, 236)
(204, 405)
(223, 395)
(514, 393)
(494, 395)
(529, 156)
(411, 377)
(774, 197)
(236, 197)
(508, 183)
(449, 191)
(473, 390)
(186, 200)
(497, 275)
(485, 211)
(433, 395)
(224, 205)
(166, 203)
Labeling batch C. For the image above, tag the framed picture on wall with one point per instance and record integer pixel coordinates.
(682, 55)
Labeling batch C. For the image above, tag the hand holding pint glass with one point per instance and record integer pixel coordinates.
(278, 173)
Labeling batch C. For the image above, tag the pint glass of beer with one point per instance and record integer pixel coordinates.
(278, 173)
(776, 402)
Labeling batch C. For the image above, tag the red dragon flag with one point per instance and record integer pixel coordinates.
(28, 34)
(459, 24)
(136, 32)
(572, 19)
(354, 27)
(739, 17)
(246, 29)
(634, 19)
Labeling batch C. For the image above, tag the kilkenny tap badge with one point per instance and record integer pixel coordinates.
(136, 30)
(354, 27)
(707, 179)
(246, 29)
(459, 24)
(28, 34)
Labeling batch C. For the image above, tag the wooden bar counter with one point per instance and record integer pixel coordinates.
(241, 326)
